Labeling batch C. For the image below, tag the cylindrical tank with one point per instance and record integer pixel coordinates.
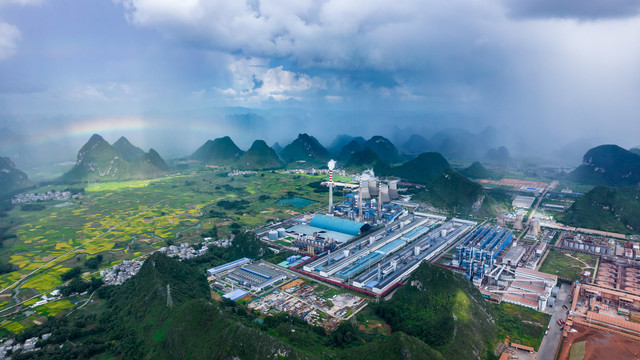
(443, 233)
(273, 235)
(281, 233)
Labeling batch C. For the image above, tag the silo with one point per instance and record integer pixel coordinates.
(281, 233)
(273, 235)
(518, 223)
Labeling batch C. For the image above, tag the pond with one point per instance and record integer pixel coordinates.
(296, 202)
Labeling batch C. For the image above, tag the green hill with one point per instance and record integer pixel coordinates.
(99, 161)
(259, 157)
(607, 209)
(350, 149)
(11, 178)
(426, 306)
(383, 148)
(151, 163)
(477, 171)
(221, 151)
(305, 148)
(608, 165)
(341, 141)
(366, 159)
(129, 151)
(423, 169)
(457, 194)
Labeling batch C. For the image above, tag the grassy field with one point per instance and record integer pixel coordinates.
(577, 351)
(568, 265)
(124, 220)
(520, 324)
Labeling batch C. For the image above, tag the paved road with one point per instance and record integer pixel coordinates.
(551, 341)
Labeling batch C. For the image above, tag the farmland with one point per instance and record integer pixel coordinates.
(126, 220)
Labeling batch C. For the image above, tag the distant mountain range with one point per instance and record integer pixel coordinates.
(305, 148)
(129, 151)
(221, 151)
(499, 157)
(11, 178)
(608, 165)
(259, 157)
(99, 161)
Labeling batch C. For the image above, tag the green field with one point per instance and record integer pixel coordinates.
(124, 220)
(568, 265)
(520, 324)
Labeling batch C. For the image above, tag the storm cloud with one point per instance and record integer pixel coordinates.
(543, 73)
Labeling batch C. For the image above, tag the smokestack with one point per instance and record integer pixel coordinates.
(328, 257)
(360, 203)
(331, 166)
(380, 201)
(379, 273)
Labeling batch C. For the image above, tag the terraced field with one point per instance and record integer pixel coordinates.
(125, 220)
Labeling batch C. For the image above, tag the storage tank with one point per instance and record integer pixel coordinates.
(273, 235)
(281, 233)
(443, 233)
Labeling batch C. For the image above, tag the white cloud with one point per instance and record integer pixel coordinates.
(20, 2)
(9, 36)
(104, 91)
(253, 79)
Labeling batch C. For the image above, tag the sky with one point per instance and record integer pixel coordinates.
(545, 73)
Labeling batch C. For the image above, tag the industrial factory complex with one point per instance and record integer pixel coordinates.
(377, 263)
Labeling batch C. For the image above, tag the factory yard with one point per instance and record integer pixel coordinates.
(590, 343)
(312, 302)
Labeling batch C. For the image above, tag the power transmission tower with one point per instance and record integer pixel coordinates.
(169, 299)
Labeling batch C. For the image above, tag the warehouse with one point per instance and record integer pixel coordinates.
(331, 228)
(228, 266)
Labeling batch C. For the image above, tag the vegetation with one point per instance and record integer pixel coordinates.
(608, 165)
(305, 148)
(383, 148)
(443, 310)
(477, 171)
(259, 157)
(100, 161)
(11, 178)
(457, 194)
(567, 264)
(129, 151)
(606, 209)
(423, 169)
(221, 151)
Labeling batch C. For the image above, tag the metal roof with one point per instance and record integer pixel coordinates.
(338, 224)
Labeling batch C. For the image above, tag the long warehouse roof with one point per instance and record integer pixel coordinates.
(338, 224)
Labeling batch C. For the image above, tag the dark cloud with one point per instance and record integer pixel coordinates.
(574, 9)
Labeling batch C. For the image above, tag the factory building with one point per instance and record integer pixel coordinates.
(228, 266)
(379, 262)
(530, 288)
(524, 202)
(478, 252)
(314, 244)
(257, 277)
(330, 228)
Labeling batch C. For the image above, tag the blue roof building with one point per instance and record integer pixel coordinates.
(340, 225)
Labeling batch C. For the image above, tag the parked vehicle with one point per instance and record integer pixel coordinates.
(565, 307)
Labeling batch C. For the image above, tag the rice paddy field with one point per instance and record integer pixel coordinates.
(126, 220)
